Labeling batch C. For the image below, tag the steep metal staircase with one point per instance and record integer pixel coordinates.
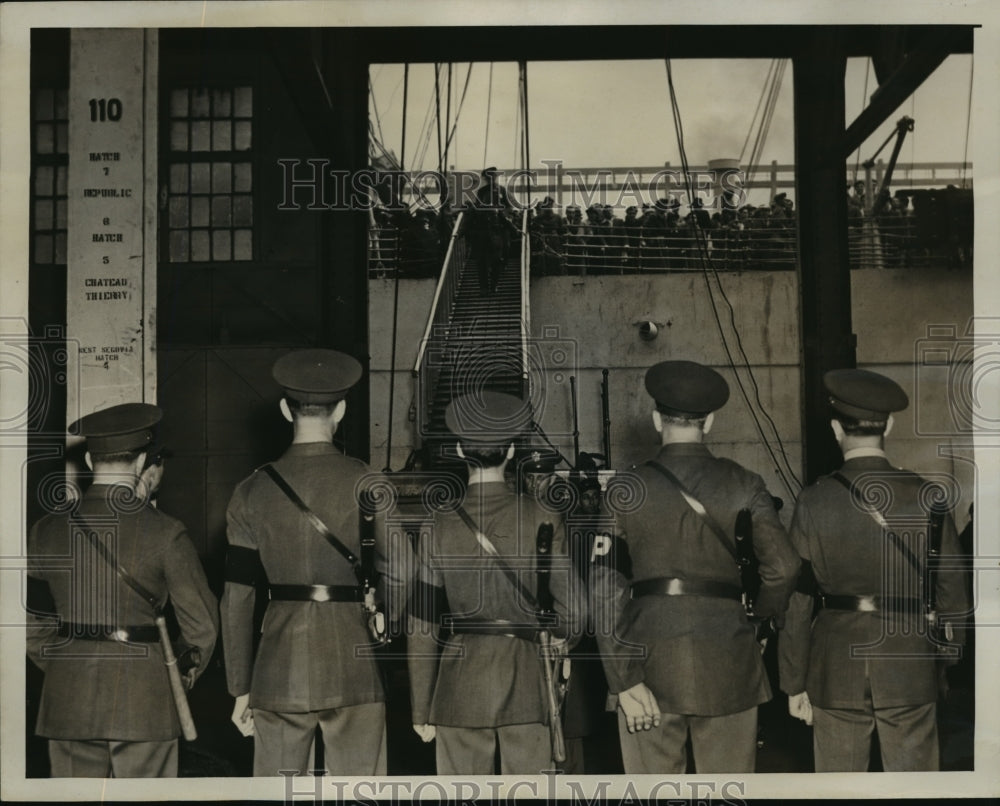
(472, 341)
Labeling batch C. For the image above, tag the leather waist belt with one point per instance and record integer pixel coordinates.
(507, 628)
(873, 604)
(672, 586)
(315, 593)
(140, 634)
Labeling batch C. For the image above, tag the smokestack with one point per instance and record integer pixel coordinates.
(727, 184)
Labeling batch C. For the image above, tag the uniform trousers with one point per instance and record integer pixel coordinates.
(353, 740)
(524, 750)
(907, 736)
(106, 759)
(720, 743)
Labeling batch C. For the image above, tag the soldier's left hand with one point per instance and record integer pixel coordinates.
(558, 648)
(640, 708)
(800, 707)
(188, 678)
(427, 733)
(243, 715)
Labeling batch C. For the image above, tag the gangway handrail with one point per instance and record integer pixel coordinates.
(525, 303)
(437, 295)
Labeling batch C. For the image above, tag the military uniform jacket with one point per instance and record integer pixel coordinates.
(306, 659)
(851, 556)
(697, 654)
(107, 689)
(484, 681)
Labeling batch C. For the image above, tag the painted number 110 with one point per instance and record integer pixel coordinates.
(104, 109)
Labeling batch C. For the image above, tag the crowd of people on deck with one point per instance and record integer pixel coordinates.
(900, 229)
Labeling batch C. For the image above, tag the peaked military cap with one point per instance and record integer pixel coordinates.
(316, 376)
(487, 418)
(685, 387)
(540, 462)
(126, 427)
(864, 395)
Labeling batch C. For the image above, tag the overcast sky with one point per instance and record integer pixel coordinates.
(596, 113)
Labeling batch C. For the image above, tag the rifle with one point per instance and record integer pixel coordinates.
(606, 414)
(576, 422)
(555, 692)
(365, 571)
(169, 659)
(749, 565)
(176, 685)
(935, 532)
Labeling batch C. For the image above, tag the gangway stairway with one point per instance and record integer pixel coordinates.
(481, 346)
(475, 344)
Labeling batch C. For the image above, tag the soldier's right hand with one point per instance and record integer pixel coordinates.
(426, 732)
(640, 708)
(243, 715)
(800, 707)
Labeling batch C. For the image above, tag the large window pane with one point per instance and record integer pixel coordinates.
(221, 177)
(199, 211)
(221, 245)
(207, 126)
(199, 245)
(200, 103)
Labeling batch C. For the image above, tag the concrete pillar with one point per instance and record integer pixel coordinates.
(824, 271)
(111, 240)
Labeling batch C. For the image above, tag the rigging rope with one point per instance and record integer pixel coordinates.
(378, 120)
(708, 267)
(517, 125)
(968, 121)
(395, 300)
(760, 100)
(526, 161)
(424, 138)
(437, 101)
(458, 112)
(489, 103)
(864, 99)
(447, 119)
(774, 91)
(913, 110)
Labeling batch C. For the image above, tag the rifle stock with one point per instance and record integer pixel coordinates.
(606, 414)
(745, 560)
(934, 538)
(576, 423)
(543, 550)
(749, 565)
(176, 685)
(555, 716)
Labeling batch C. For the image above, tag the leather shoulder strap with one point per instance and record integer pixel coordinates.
(697, 506)
(490, 549)
(879, 518)
(312, 517)
(109, 557)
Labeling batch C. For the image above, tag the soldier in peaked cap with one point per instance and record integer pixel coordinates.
(106, 704)
(535, 471)
(868, 660)
(490, 230)
(669, 582)
(307, 673)
(480, 683)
